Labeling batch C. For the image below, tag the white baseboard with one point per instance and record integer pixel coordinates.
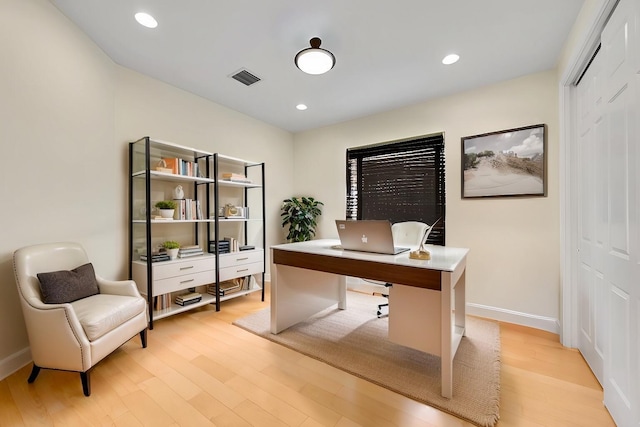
(548, 324)
(12, 363)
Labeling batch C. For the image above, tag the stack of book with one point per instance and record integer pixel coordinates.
(227, 287)
(156, 256)
(235, 177)
(189, 298)
(189, 251)
(223, 246)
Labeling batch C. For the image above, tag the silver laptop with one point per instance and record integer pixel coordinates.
(367, 236)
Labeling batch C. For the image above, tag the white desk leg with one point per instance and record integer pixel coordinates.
(342, 290)
(297, 294)
(460, 303)
(453, 325)
(446, 353)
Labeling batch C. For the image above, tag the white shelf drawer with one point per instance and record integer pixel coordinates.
(228, 273)
(173, 284)
(240, 258)
(182, 267)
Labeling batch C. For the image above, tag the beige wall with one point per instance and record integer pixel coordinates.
(513, 266)
(67, 114)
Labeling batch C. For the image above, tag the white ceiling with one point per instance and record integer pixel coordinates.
(388, 53)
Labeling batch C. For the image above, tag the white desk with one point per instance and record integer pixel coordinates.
(426, 301)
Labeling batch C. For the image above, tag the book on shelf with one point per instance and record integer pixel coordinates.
(162, 302)
(235, 177)
(180, 166)
(192, 301)
(188, 209)
(229, 287)
(189, 298)
(246, 247)
(156, 257)
(233, 244)
(222, 246)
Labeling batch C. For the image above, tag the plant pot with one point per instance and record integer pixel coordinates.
(173, 253)
(166, 213)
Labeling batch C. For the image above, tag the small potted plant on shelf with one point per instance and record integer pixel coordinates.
(172, 248)
(166, 208)
(300, 214)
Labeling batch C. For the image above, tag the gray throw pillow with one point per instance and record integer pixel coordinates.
(59, 287)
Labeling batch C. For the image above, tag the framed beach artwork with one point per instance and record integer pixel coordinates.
(505, 163)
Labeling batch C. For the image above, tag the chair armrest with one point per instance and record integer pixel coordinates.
(118, 287)
(58, 324)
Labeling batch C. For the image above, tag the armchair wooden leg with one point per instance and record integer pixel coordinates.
(86, 383)
(34, 373)
(143, 337)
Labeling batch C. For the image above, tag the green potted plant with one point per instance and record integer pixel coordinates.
(172, 248)
(300, 214)
(166, 208)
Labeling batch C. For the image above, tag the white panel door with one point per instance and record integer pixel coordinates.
(620, 49)
(592, 306)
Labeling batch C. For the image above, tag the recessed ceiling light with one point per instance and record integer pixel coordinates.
(450, 59)
(301, 107)
(146, 20)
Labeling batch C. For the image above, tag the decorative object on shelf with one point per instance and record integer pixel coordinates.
(231, 211)
(509, 162)
(314, 60)
(178, 192)
(161, 166)
(300, 214)
(172, 248)
(166, 208)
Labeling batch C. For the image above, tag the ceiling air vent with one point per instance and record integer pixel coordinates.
(245, 77)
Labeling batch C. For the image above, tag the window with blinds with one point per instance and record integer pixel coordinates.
(399, 181)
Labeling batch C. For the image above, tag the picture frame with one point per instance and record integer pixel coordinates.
(506, 163)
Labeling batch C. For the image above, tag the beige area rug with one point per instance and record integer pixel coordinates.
(355, 340)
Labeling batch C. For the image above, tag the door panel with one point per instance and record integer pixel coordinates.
(593, 213)
(621, 258)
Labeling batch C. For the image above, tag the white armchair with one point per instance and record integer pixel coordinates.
(70, 333)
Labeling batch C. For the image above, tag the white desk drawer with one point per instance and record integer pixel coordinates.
(185, 281)
(240, 258)
(240, 270)
(180, 268)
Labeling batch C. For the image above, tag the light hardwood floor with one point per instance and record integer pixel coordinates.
(200, 370)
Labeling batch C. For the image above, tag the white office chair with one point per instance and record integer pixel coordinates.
(407, 234)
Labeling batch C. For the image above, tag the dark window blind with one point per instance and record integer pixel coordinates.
(399, 181)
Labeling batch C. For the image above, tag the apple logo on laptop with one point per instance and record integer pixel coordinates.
(364, 238)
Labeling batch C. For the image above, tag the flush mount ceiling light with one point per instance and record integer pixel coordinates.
(314, 60)
(146, 20)
(450, 59)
